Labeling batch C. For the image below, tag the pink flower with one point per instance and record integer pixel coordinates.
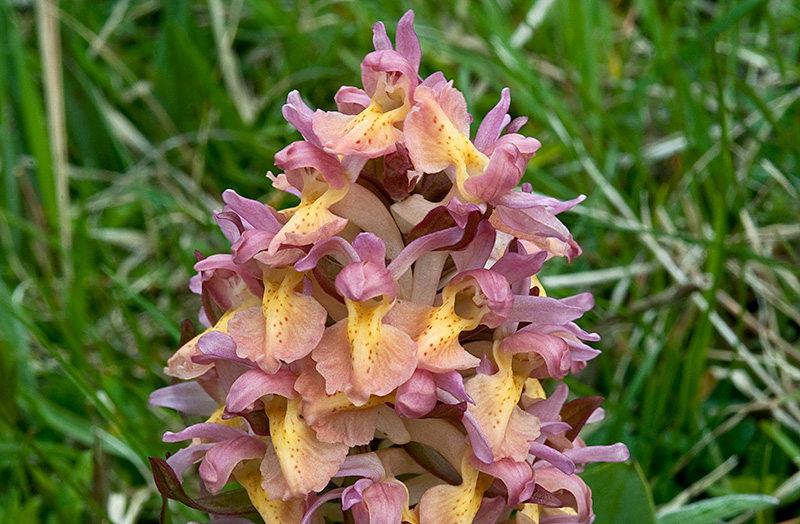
(437, 132)
(375, 352)
(283, 327)
(390, 78)
(362, 355)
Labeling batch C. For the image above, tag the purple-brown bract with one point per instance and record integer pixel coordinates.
(391, 325)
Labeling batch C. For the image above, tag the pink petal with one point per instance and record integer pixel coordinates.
(351, 100)
(362, 281)
(481, 447)
(579, 494)
(230, 224)
(422, 245)
(528, 224)
(222, 276)
(250, 243)
(553, 456)
(546, 310)
(553, 350)
(518, 266)
(490, 511)
(516, 124)
(298, 156)
(504, 171)
(285, 327)
(322, 499)
(379, 37)
(253, 213)
(453, 383)
(492, 125)
(407, 41)
(517, 477)
(549, 409)
(215, 346)
(334, 417)
(352, 495)
(216, 468)
(370, 248)
(492, 293)
(614, 453)
(377, 64)
(416, 396)
(186, 397)
(478, 251)
(385, 501)
(297, 113)
(378, 358)
(205, 430)
(366, 465)
(526, 200)
(254, 384)
(183, 458)
(326, 247)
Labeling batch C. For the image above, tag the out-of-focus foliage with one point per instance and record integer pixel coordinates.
(679, 120)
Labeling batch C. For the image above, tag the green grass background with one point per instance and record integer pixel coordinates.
(122, 122)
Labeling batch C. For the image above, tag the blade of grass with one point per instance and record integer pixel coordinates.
(75, 373)
(9, 144)
(229, 64)
(32, 114)
(720, 24)
(50, 52)
(166, 323)
(783, 441)
(721, 216)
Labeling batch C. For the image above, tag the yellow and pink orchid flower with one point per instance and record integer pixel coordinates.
(381, 352)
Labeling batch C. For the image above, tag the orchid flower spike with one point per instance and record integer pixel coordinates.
(381, 352)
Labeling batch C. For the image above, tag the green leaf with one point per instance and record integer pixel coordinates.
(716, 509)
(620, 494)
(32, 113)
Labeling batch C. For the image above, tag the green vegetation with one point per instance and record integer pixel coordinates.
(679, 120)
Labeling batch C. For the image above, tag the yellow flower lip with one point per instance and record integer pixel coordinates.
(297, 462)
(455, 504)
(436, 143)
(507, 427)
(285, 326)
(362, 356)
(390, 82)
(439, 349)
(311, 220)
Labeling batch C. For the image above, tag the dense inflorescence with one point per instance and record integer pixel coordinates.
(378, 349)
